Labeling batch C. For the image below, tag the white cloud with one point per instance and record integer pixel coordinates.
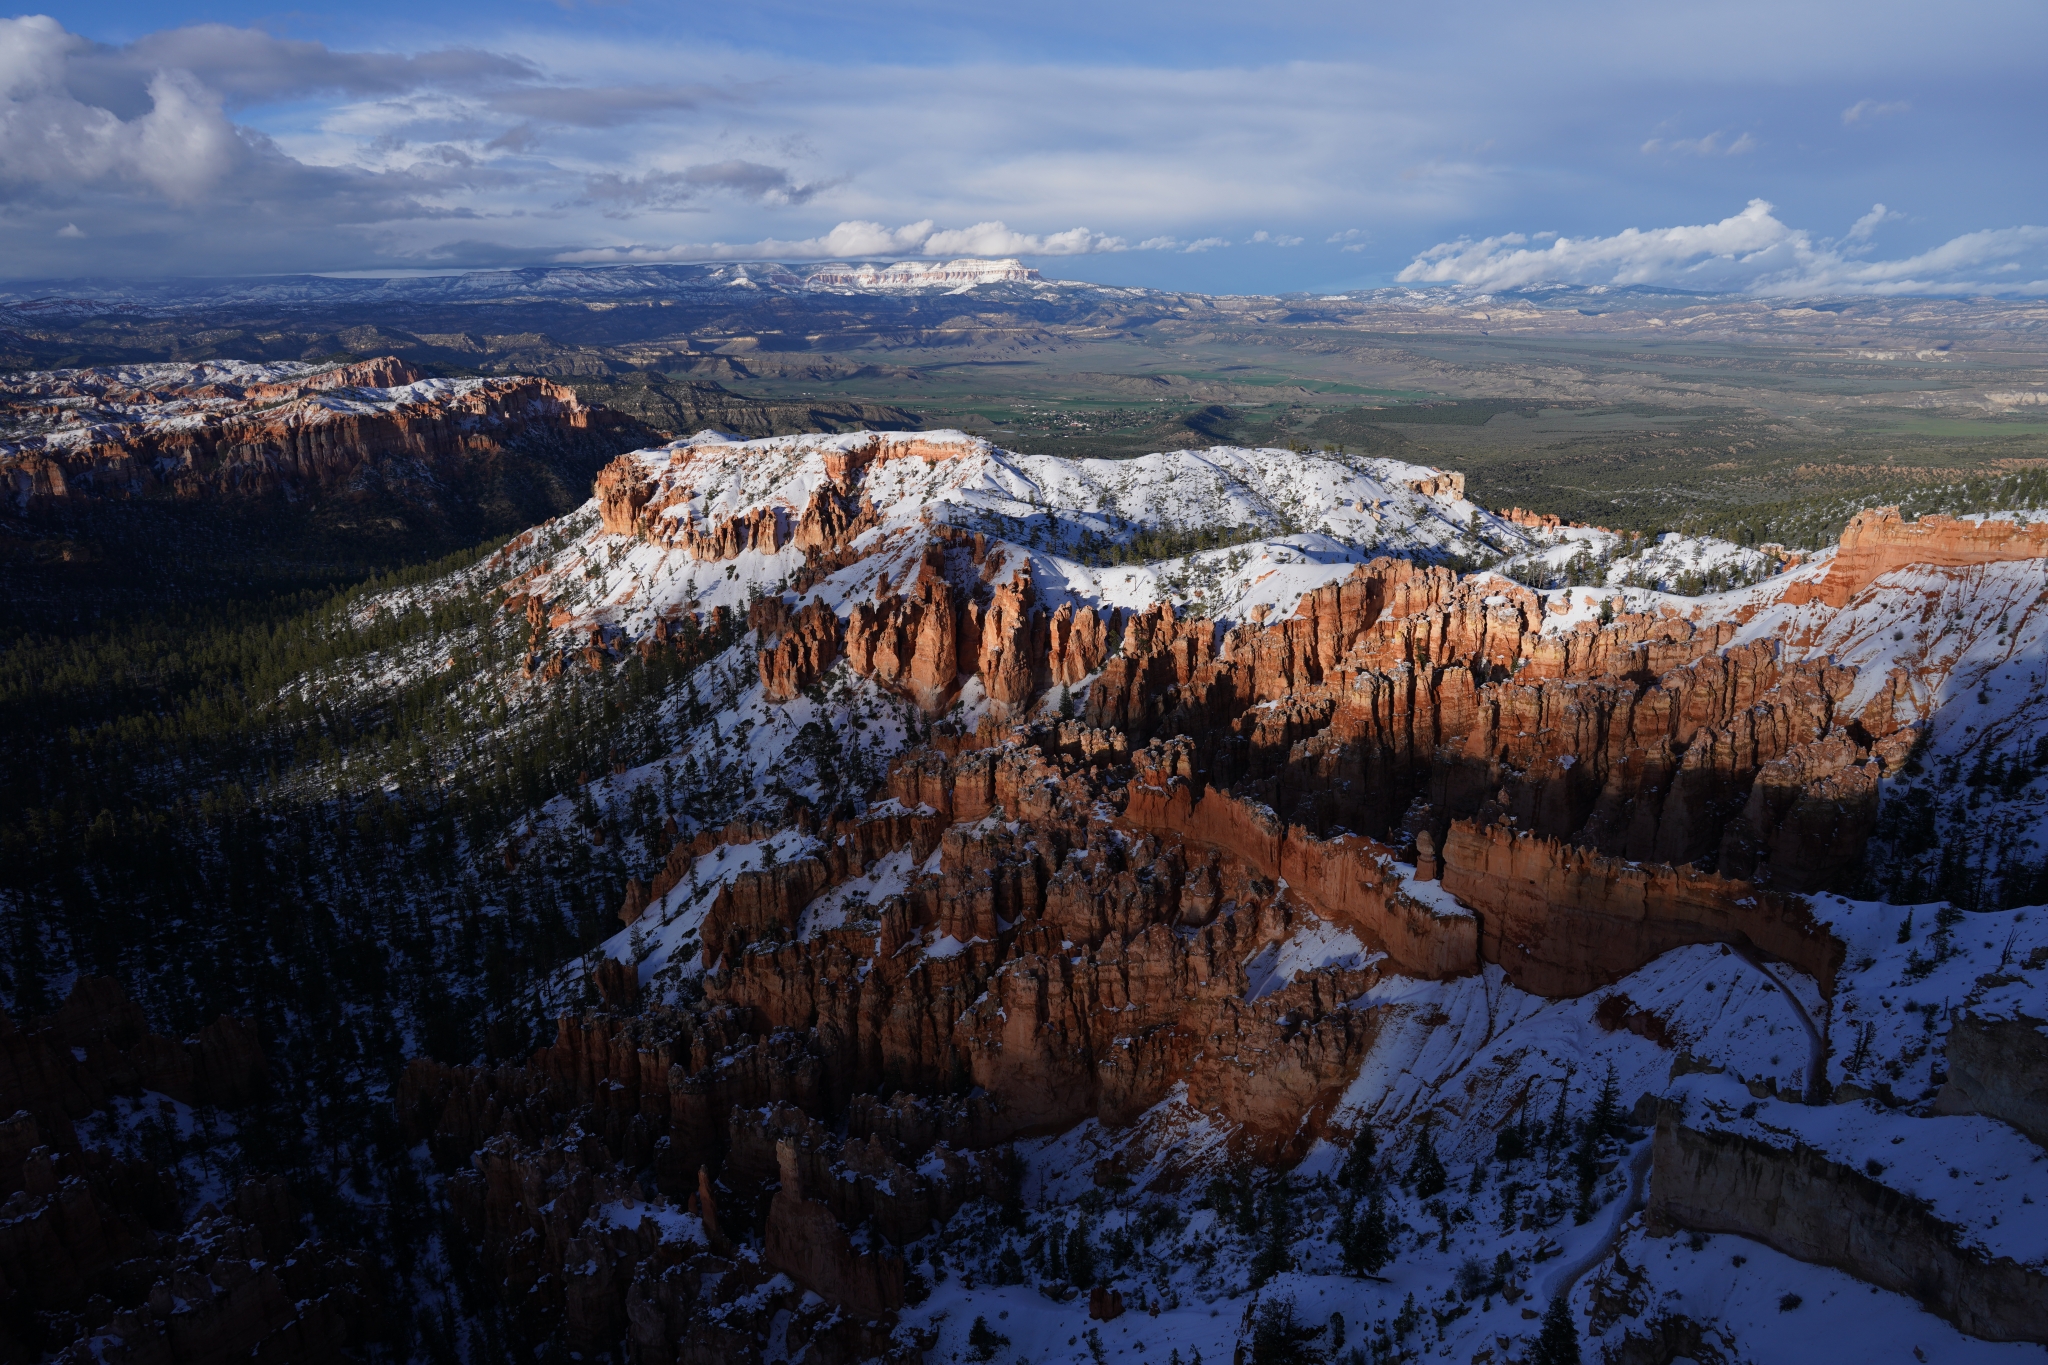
(857, 239)
(624, 195)
(1751, 252)
(71, 231)
(180, 148)
(1863, 227)
(997, 239)
(1866, 111)
(1267, 238)
(1176, 244)
(1350, 239)
(1710, 145)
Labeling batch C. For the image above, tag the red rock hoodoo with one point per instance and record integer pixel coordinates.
(1092, 897)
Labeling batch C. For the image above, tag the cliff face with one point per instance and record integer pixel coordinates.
(238, 437)
(1879, 541)
(1184, 880)
(1998, 1067)
(1803, 1204)
(1563, 920)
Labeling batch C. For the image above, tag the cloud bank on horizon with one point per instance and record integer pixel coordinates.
(1749, 252)
(1311, 150)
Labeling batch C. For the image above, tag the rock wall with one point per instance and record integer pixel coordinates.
(1998, 1067)
(1347, 880)
(286, 439)
(1818, 1210)
(1562, 921)
(1878, 541)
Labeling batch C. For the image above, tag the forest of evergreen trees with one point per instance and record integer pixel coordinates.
(280, 808)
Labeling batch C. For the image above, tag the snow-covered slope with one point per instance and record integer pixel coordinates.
(1498, 1082)
(1288, 522)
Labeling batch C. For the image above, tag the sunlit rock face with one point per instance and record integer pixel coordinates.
(1227, 843)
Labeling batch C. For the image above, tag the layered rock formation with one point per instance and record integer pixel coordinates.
(1879, 541)
(1183, 881)
(1998, 1067)
(229, 432)
(1804, 1204)
(97, 1044)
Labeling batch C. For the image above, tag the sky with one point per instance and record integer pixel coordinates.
(1778, 148)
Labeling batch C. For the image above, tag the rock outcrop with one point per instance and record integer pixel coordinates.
(1998, 1067)
(84, 435)
(96, 1260)
(1878, 541)
(1087, 894)
(1563, 920)
(1805, 1205)
(65, 1065)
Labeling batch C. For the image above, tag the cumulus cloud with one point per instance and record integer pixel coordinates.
(1752, 252)
(996, 239)
(1265, 237)
(1350, 239)
(854, 239)
(179, 147)
(1867, 111)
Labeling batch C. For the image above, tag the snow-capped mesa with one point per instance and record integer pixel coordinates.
(1231, 533)
(1274, 874)
(921, 274)
(236, 430)
(1230, 902)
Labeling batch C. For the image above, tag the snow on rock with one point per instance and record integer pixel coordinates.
(1314, 945)
(1288, 522)
(1975, 1174)
(912, 275)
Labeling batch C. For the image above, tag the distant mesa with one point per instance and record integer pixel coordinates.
(917, 274)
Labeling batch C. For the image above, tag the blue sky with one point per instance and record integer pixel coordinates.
(1197, 145)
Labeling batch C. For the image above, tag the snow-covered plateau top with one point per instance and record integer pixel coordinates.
(164, 375)
(1224, 530)
(152, 398)
(921, 274)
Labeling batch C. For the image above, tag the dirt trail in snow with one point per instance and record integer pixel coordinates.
(1817, 1058)
(1565, 1276)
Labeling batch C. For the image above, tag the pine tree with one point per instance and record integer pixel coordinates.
(1356, 1174)
(1426, 1172)
(1606, 1120)
(1275, 1254)
(1366, 1243)
(1080, 1257)
(984, 1341)
(1280, 1337)
(1557, 1343)
(1560, 1118)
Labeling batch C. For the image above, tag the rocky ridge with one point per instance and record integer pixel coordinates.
(1132, 860)
(229, 431)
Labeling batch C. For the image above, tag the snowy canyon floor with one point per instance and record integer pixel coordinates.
(877, 896)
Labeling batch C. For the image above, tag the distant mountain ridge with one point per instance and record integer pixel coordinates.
(532, 284)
